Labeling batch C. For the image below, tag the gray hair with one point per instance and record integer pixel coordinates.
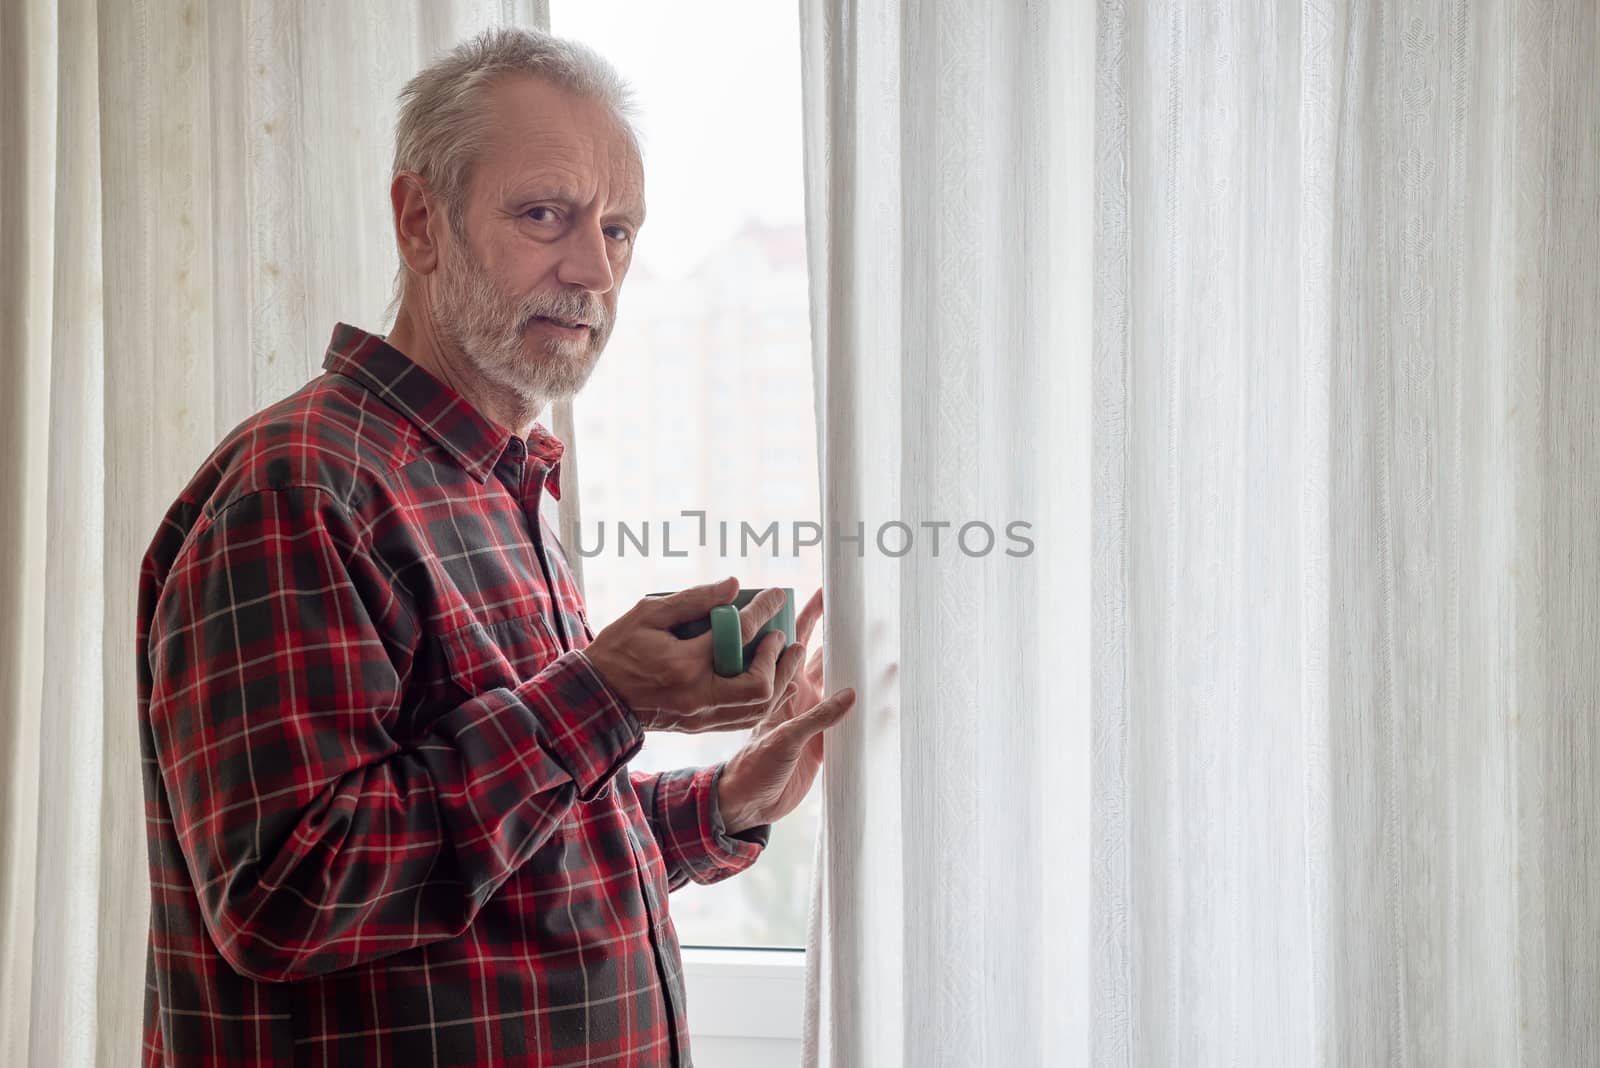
(443, 124)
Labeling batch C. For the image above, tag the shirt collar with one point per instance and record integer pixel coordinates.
(473, 439)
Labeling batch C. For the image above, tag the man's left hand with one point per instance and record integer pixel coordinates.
(772, 772)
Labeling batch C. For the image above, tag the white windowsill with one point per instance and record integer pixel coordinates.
(745, 993)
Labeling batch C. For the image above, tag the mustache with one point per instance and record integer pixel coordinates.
(568, 305)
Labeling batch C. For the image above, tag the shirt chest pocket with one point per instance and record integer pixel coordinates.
(480, 657)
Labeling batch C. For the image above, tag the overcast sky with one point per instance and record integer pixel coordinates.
(717, 89)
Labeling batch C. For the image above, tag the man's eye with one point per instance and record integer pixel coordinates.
(618, 233)
(540, 214)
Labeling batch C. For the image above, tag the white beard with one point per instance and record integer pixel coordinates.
(491, 332)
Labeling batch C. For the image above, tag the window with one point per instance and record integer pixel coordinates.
(703, 400)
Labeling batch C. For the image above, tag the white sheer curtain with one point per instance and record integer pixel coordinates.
(949, 206)
(191, 196)
(1281, 748)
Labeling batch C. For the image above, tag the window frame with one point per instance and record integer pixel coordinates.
(745, 993)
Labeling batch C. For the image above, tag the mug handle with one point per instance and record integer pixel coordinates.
(727, 651)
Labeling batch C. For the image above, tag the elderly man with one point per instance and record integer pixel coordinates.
(385, 757)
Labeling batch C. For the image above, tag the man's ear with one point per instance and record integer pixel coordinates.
(416, 214)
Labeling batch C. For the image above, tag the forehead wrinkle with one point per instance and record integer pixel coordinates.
(556, 180)
(565, 148)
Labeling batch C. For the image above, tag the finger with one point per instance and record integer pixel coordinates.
(752, 686)
(762, 716)
(792, 734)
(773, 644)
(763, 607)
(691, 603)
(794, 709)
(790, 662)
(814, 669)
(735, 717)
(781, 710)
(808, 618)
(791, 737)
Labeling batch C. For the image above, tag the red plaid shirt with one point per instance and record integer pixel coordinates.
(389, 815)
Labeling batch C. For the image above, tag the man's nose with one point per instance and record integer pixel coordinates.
(584, 259)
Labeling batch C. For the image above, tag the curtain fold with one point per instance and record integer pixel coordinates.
(1307, 774)
(948, 198)
(193, 195)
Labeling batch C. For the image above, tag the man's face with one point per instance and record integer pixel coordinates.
(552, 207)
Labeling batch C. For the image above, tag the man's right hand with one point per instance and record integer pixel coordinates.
(667, 681)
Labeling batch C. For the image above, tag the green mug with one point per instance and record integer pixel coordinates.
(728, 657)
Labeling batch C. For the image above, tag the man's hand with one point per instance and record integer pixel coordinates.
(668, 682)
(772, 773)
(808, 681)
